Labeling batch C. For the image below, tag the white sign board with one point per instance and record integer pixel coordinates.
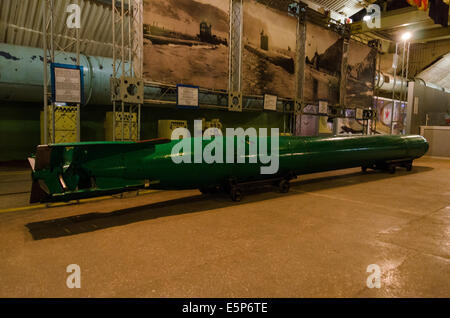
(67, 85)
(187, 96)
(359, 113)
(270, 102)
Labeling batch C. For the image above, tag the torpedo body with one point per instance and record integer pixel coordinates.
(67, 172)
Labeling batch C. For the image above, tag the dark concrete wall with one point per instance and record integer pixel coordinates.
(20, 124)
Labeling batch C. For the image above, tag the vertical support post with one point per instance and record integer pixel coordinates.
(403, 70)
(235, 56)
(77, 49)
(138, 38)
(394, 87)
(137, 51)
(52, 57)
(45, 47)
(139, 123)
(114, 75)
(126, 83)
(373, 128)
(122, 54)
(343, 77)
(49, 50)
(407, 78)
(300, 64)
(344, 71)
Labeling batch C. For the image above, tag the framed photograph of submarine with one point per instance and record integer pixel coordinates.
(67, 83)
(186, 41)
(187, 96)
(270, 102)
(268, 57)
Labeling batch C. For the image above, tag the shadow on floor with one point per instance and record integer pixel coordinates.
(90, 222)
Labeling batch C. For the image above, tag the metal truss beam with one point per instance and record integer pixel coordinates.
(235, 56)
(300, 65)
(127, 85)
(52, 49)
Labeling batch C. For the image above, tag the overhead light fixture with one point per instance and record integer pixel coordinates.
(406, 36)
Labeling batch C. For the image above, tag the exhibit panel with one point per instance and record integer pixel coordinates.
(186, 42)
(269, 43)
(323, 63)
(361, 75)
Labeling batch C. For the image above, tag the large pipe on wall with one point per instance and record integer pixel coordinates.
(21, 74)
(385, 82)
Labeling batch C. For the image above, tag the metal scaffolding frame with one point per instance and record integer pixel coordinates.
(235, 56)
(300, 64)
(52, 49)
(374, 122)
(403, 95)
(127, 86)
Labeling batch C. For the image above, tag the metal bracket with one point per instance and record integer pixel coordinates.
(298, 9)
(127, 89)
(115, 89)
(298, 107)
(235, 102)
(369, 114)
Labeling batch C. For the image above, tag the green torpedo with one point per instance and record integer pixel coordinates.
(64, 172)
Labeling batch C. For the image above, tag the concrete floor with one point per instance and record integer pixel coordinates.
(316, 241)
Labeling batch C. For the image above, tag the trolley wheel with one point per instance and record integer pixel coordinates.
(284, 186)
(391, 169)
(409, 166)
(236, 195)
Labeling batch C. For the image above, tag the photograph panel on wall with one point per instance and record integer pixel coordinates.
(269, 41)
(323, 63)
(361, 75)
(186, 42)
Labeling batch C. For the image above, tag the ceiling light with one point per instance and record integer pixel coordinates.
(406, 36)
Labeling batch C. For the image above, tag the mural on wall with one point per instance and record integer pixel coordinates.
(323, 63)
(269, 55)
(186, 42)
(361, 74)
(269, 40)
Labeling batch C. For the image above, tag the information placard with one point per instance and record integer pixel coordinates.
(270, 102)
(359, 113)
(67, 83)
(187, 96)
